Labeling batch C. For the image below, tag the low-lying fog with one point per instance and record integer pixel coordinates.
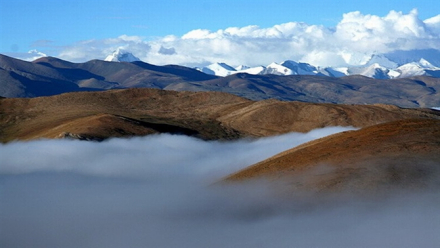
(157, 191)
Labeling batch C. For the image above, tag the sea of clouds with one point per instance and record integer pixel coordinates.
(161, 191)
(351, 42)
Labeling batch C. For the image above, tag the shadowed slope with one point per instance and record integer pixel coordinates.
(402, 153)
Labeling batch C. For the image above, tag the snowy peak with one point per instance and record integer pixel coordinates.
(300, 68)
(279, 69)
(411, 70)
(425, 63)
(382, 60)
(377, 66)
(241, 68)
(258, 70)
(374, 71)
(218, 69)
(404, 57)
(121, 55)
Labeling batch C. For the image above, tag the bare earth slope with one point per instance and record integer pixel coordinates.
(403, 153)
(208, 115)
(117, 113)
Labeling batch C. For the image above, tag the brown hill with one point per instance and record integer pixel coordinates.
(208, 115)
(117, 113)
(404, 153)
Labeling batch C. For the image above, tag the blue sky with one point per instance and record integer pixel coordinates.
(48, 26)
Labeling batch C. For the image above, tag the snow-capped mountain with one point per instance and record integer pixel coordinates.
(405, 57)
(278, 69)
(241, 67)
(290, 67)
(218, 69)
(258, 70)
(422, 67)
(374, 71)
(381, 60)
(398, 64)
(378, 66)
(121, 55)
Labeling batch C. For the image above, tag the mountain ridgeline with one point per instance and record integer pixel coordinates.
(51, 76)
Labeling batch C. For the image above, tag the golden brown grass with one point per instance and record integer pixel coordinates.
(401, 152)
(208, 115)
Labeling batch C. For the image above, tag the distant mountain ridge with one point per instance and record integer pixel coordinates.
(379, 67)
(51, 76)
(401, 64)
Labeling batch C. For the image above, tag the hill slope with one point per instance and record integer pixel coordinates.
(208, 115)
(403, 153)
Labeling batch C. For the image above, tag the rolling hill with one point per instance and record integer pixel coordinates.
(207, 115)
(378, 158)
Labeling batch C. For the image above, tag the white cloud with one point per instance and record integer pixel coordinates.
(29, 56)
(154, 192)
(356, 34)
(100, 49)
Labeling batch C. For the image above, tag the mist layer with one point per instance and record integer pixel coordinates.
(157, 191)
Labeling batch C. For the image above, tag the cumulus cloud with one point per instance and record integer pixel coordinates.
(351, 42)
(157, 191)
(100, 49)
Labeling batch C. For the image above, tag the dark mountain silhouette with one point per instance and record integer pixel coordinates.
(50, 76)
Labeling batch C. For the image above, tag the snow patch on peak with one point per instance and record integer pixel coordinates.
(425, 63)
(278, 69)
(120, 55)
(402, 57)
(300, 68)
(411, 69)
(258, 70)
(224, 66)
(218, 69)
(381, 60)
(242, 67)
(374, 71)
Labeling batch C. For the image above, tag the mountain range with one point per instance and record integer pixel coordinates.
(399, 64)
(372, 69)
(50, 76)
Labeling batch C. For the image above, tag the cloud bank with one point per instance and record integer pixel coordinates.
(351, 42)
(155, 192)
